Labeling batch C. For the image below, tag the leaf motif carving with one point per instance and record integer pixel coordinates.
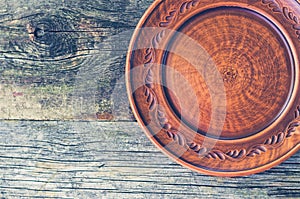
(292, 128)
(187, 5)
(257, 150)
(290, 15)
(275, 139)
(163, 121)
(236, 154)
(177, 137)
(272, 4)
(162, 117)
(158, 38)
(149, 83)
(173, 14)
(198, 148)
(151, 98)
(168, 19)
(149, 57)
(216, 155)
(149, 79)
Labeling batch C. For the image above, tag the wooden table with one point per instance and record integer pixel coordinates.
(66, 127)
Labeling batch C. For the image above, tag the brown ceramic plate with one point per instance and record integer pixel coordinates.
(215, 84)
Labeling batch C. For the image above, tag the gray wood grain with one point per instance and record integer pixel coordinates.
(64, 59)
(115, 160)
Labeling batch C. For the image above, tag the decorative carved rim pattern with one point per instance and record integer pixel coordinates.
(234, 155)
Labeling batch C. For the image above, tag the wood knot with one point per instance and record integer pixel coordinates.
(35, 32)
(39, 32)
(53, 35)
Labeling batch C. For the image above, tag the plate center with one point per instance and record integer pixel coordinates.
(250, 58)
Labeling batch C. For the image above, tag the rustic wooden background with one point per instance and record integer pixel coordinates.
(66, 129)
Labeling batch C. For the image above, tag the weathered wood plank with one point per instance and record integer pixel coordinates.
(63, 59)
(115, 160)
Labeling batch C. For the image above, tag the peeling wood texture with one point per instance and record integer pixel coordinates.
(115, 160)
(64, 60)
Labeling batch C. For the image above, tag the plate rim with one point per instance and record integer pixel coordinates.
(260, 168)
